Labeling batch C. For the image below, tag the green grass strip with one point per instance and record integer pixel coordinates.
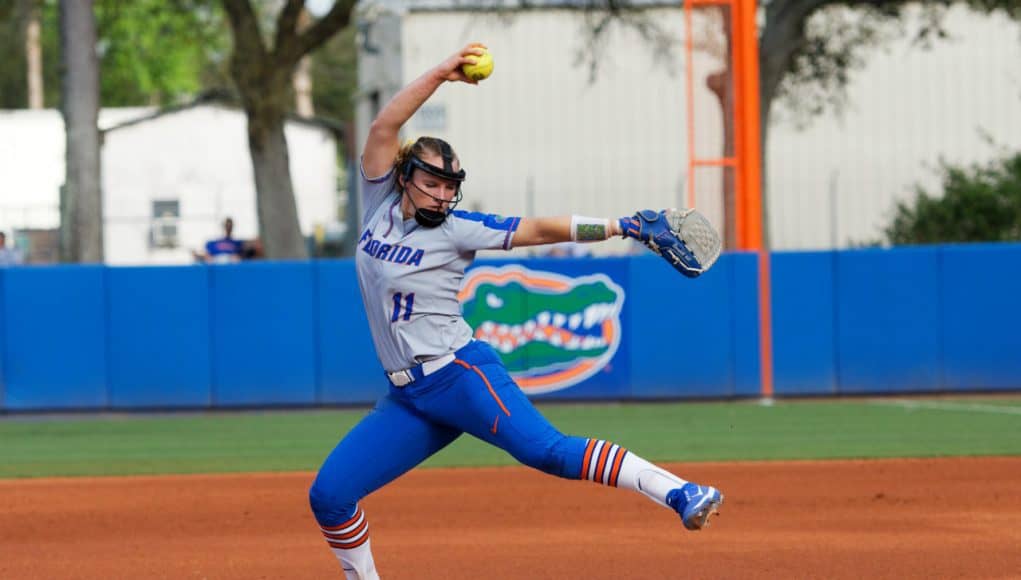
(286, 441)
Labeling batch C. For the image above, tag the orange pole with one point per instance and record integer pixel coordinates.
(737, 66)
(747, 47)
(765, 327)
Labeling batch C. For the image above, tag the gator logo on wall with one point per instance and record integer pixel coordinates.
(551, 331)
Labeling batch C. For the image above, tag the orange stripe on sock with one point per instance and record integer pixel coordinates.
(615, 472)
(485, 380)
(354, 518)
(349, 546)
(598, 475)
(348, 535)
(588, 455)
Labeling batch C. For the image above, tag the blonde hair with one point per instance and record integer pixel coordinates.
(417, 147)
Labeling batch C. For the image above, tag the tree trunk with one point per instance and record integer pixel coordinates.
(33, 55)
(84, 240)
(263, 78)
(276, 205)
(303, 88)
(302, 80)
(720, 85)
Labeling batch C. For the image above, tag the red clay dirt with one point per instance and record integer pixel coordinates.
(918, 518)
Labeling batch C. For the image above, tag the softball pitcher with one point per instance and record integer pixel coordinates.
(411, 258)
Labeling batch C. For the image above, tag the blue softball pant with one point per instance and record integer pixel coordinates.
(475, 395)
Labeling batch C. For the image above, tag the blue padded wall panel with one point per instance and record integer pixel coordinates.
(263, 333)
(888, 320)
(804, 347)
(744, 295)
(982, 316)
(159, 337)
(55, 322)
(681, 330)
(349, 371)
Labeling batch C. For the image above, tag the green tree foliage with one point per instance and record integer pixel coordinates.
(12, 69)
(978, 203)
(160, 51)
(151, 51)
(13, 80)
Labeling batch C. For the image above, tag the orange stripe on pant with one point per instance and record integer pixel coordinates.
(616, 466)
(485, 380)
(588, 455)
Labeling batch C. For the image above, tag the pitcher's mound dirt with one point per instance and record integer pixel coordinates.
(920, 518)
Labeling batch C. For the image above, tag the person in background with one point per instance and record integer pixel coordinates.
(223, 250)
(9, 256)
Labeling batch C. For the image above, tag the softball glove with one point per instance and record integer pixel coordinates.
(684, 238)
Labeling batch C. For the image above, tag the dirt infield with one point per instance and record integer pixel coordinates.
(932, 518)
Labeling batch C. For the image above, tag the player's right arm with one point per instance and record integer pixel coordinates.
(383, 142)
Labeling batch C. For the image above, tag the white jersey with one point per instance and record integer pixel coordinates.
(410, 275)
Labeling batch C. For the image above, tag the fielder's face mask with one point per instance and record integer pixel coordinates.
(431, 218)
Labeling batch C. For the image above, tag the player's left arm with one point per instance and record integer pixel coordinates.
(552, 230)
(684, 238)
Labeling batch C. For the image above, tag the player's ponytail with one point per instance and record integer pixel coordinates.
(403, 160)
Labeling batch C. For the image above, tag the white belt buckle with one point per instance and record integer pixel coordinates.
(401, 378)
(406, 377)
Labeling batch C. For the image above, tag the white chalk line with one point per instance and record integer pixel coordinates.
(949, 406)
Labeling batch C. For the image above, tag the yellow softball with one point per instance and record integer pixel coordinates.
(481, 69)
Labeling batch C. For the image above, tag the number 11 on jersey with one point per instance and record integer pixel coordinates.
(409, 305)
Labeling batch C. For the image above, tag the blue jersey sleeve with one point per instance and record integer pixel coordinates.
(375, 190)
(474, 231)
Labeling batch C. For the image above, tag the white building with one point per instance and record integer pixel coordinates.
(538, 138)
(169, 177)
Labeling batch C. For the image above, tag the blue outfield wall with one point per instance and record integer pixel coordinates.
(158, 337)
(55, 336)
(694, 338)
(925, 319)
(888, 326)
(981, 317)
(803, 305)
(264, 345)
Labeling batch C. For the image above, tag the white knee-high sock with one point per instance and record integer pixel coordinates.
(610, 464)
(349, 542)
